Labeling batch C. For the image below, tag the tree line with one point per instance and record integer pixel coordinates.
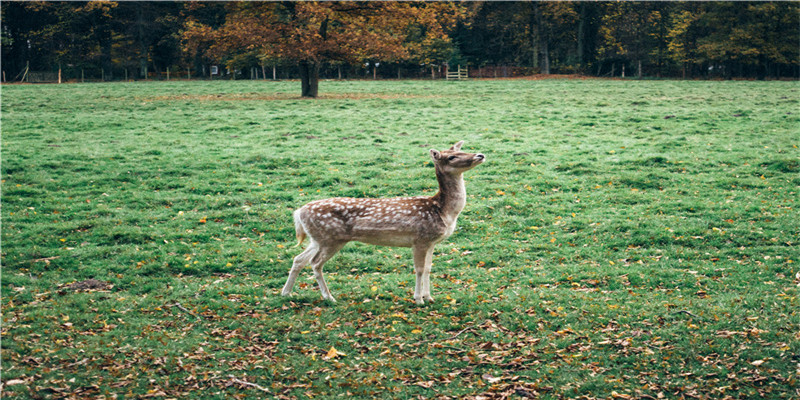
(135, 40)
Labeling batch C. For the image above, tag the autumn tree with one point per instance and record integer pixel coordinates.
(712, 38)
(310, 33)
(741, 35)
(629, 30)
(681, 46)
(552, 24)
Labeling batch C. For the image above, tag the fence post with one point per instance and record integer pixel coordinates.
(27, 68)
(59, 75)
(188, 73)
(82, 81)
(167, 73)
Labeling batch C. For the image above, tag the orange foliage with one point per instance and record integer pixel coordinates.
(324, 31)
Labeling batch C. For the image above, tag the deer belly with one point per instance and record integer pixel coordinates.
(382, 239)
(394, 233)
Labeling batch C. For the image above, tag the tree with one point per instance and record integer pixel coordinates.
(628, 31)
(552, 31)
(681, 39)
(310, 33)
(755, 36)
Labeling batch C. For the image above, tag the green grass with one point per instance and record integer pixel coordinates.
(624, 238)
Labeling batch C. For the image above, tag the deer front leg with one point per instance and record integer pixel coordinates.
(422, 267)
(426, 281)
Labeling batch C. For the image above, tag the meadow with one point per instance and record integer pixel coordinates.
(624, 239)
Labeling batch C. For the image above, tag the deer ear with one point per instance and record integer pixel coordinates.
(435, 154)
(457, 146)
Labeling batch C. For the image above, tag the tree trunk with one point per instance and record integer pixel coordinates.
(545, 58)
(309, 79)
(140, 21)
(108, 72)
(581, 46)
(639, 72)
(543, 37)
(533, 27)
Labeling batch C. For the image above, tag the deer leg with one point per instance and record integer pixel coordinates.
(426, 277)
(300, 261)
(422, 257)
(324, 254)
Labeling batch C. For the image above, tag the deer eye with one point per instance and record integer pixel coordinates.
(451, 158)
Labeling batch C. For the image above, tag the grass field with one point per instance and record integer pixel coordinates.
(624, 239)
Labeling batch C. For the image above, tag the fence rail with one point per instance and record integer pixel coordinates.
(458, 74)
(41, 77)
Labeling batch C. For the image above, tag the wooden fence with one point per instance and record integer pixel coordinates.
(458, 74)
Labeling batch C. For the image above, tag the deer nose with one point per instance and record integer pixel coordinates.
(480, 156)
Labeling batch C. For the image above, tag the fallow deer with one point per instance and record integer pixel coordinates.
(416, 222)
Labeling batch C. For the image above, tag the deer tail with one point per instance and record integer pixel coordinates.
(300, 233)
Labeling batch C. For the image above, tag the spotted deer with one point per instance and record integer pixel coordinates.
(415, 222)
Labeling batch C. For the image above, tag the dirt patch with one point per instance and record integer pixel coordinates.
(87, 285)
(283, 97)
(540, 77)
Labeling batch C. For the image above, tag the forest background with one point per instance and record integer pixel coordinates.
(168, 40)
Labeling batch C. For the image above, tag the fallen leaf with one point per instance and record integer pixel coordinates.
(491, 379)
(333, 353)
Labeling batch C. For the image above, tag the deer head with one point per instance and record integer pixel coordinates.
(454, 161)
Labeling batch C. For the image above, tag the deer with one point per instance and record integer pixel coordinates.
(416, 222)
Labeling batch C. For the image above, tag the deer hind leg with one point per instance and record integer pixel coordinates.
(422, 267)
(300, 261)
(324, 254)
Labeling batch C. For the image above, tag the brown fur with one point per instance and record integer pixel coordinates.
(416, 222)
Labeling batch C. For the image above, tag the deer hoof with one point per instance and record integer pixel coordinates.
(428, 299)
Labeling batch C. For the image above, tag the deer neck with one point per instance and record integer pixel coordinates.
(452, 195)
